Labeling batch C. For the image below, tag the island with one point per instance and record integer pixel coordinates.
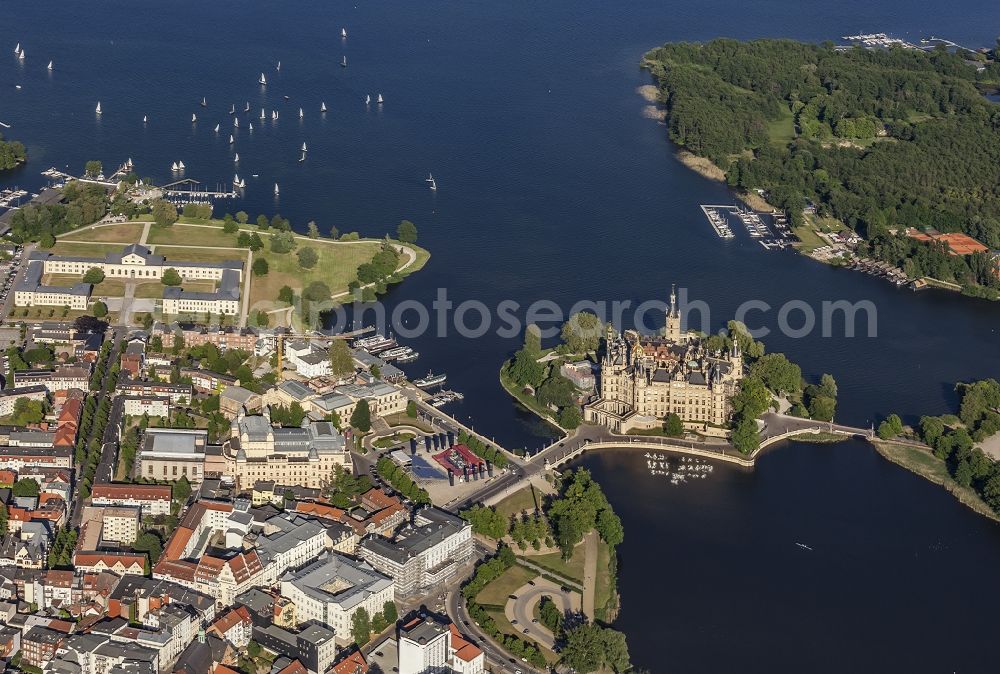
(880, 158)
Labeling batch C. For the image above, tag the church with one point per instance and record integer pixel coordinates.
(645, 378)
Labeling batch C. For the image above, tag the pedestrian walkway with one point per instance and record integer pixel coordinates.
(589, 573)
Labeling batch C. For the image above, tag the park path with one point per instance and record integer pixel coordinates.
(589, 573)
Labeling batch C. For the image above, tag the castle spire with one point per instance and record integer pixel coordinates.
(673, 299)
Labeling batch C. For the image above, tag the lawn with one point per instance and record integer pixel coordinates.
(80, 249)
(182, 235)
(57, 313)
(602, 589)
(403, 419)
(154, 289)
(338, 265)
(497, 592)
(521, 500)
(107, 288)
(781, 131)
(573, 569)
(201, 254)
(123, 232)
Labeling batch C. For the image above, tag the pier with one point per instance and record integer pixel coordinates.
(188, 188)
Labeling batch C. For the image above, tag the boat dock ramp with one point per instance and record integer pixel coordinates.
(774, 236)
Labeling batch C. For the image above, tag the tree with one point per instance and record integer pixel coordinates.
(94, 275)
(778, 373)
(341, 359)
(822, 408)
(282, 242)
(286, 295)
(891, 427)
(931, 428)
(583, 650)
(27, 487)
(406, 232)
(486, 521)
(229, 226)
(242, 217)
(582, 332)
(312, 230)
(361, 417)
(149, 543)
(100, 309)
(746, 438)
(171, 278)
(255, 243)
(93, 168)
(526, 370)
(609, 527)
(673, 427)
(570, 417)
(361, 627)
(260, 267)
(334, 232)
(181, 490)
(317, 291)
(262, 221)
(411, 409)
(308, 257)
(556, 390)
(253, 649)
(164, 213)
(389, 611)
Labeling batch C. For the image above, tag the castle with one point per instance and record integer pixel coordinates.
(645, 378)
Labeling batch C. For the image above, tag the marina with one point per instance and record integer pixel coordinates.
(718, 220)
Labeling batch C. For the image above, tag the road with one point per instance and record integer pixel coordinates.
(521, 611)
(500, 660)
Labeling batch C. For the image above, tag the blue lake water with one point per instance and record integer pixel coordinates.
(552, 185)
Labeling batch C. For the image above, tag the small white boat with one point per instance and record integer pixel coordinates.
(49, 67)
(232, 109)
(262, 80)
(304, 147)
(303, 157)
(274, 114)
(301, 114)
(434, 185)
(98, 108)
(174, 167)
(194, 118)
(144, 119)
(236, 158)
(343, 32)
(231, 139)
(236, 122)
(368, 100)
(180, 165)
(247, 108)
(17, 48)
(204, 103)
(276, 191)
(429, 178)
(322, 107)
(251, 126)
(17, 86)
(343, 64)
(217, 128)
(380, 100)
(278, 67)
(243, 183)
(21, 55)
(262, 113)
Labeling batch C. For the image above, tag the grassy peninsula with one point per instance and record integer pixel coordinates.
(880, 140)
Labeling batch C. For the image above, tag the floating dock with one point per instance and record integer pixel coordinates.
(718, 220)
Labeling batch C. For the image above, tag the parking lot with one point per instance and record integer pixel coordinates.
(9, 270)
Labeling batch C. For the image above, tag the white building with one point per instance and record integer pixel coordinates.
(308, 361)
(154, 406)
(429, 647)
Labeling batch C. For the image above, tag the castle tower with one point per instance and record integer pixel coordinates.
(736, 358)
(673, 329)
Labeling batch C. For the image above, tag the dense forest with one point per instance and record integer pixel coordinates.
(879, 139)
(12, 153)
(83, 205)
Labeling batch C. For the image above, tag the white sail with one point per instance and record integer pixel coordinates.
(21, 55)
(380, 100)
(322, 107)
(276, 188)
(231, 139)
(232, 109)
(434, 185)
(217, 128)
(17, 48)
(301, 114)
(343, 64)
(247, 108)
(204, 103)
(173, 167)
(144, 119)
(98, 108)
(343, 32)
(194, 118)
(303, 157)
(236, 122)
(304, 147)
(262, 113)
(49, 67)
(263, 80)
(180, 165)
(279, 66)
(251, 126)
(243, 183)
(274, 114)
(368, 100)
(237, 158)
(236, 179)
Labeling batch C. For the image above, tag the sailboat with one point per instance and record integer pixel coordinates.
(274, 114)
(21, 55)
(304, 147)
(236, 159)
(303, 157)
(17, 48)
(322, 107)
(380, 100)
(49, 67)
(251, 127)
(231, 139)
(144, 119)
(194, 118)
(204, 103)
(173, 167)
(301, 114)
(368, 100)
(247, 108)
(243, 183)
(263, 80)
(343, 32)
(236, 122)
(278, 67)
(232, 109)
(429, 178)
(217, 128)
(262, 113)
(434, 185)
(343, 64)
(276, 188)
(180, 165)
(98, 108)
(236, 180)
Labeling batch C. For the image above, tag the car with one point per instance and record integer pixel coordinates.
(531, 582)
(524, 631)
(513, 660)
(514, 621)
(534, 620)
(512, 596)
(466, 622)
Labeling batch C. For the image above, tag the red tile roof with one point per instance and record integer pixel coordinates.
(464, 650)
(137, 492)
(352, 664)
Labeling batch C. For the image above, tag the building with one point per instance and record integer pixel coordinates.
(314, 646)
(333, 588)
(177, 393)
(118, 563)
(644, 379)
(581, 373)
(153, 406)
(305, 456)
(60, 378)
(423, 555)
(18, 458)
(236, 398)
(9, 397)
(120, 524)
(224, 300)
(30, 292)
(39, 644)
(152, 499)
(208, 382)
(308, 360)
(172, 453)
(235, 626)
(426, 646)
(135, 597)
